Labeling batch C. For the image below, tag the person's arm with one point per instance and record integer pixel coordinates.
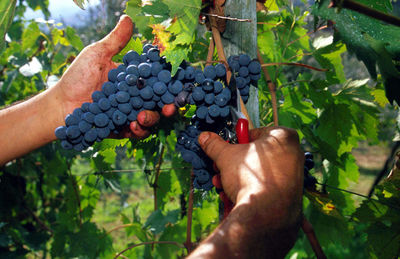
(265, 181)
(31, 124)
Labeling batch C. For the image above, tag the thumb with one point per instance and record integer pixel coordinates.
(212, 144)
(117, 39)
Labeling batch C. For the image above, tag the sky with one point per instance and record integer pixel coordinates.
(65, 10)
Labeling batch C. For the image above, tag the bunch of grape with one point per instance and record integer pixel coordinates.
(246, 72)
(144, 82)
(309, 180)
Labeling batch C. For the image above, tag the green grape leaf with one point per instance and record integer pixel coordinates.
(30, 35)
(271, 5)
(175, 57)
(7, 9)
(73, 38)
(373, 42)
(157, 221)
(330, 58)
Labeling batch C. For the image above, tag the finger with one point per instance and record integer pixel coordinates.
(116, 40)
(257, 133)
(139, 131)
(212, 144)
(168, 110)
(148, 118)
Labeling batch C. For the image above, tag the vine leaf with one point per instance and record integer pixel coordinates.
(372, 41)
(7, 9)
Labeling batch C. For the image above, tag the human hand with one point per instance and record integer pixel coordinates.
(269, 170)
(90, 70)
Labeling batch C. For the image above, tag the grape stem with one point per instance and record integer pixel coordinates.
(271, 87)
(158, 169)
(149, 243)
(312, 238)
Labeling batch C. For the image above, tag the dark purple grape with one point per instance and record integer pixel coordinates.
(133, 91)
(122, 86)
(103, 132)
(130, 56)
(164, 76)
(85, 107)
(167, 98)
(71, 119)
(199, 77)
(104, 104)
(108, 88)
(189, 73)
(132, 70)
(159, 88)
(254, 67)
(244, 59)
(132, 116)
(210, 72)
(180, 74)
(149, 105)
(202, 112)
(88, 117)
(175, 87)
(214, 111)
(125, 107)
(78, 112)
(119, 118)
(156, 68)
(146, 93)
(220, 70)
(209, 98)
(60, 132)
(131, 79)
(97, 95)
(153, 54)
(113, 100)
(208, 85)
(84, 126)
(121, 77)
(144, 70)
(198, 94)
(73, 131)
(101, 120)
(112, 75)
(136, 102)
(243, 71)
(66, 145)
(122, 97)
(218, 86)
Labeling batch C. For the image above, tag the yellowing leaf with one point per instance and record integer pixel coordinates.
(271, 5)
(161, 36)
(380, 97)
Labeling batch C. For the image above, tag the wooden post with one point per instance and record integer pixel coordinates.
(241, 37)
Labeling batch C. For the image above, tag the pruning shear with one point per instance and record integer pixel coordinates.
(240, 136)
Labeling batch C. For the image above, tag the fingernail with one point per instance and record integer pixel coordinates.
(203, 138)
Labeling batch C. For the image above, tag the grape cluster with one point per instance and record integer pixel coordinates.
(309, 180)
(144, 82)
(246, 72)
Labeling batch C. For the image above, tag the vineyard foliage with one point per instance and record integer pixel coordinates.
(94, 204)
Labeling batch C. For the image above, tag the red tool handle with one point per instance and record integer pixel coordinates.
(242, 131)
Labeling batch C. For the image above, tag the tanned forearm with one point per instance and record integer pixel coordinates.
(29, 124)
(245, 233)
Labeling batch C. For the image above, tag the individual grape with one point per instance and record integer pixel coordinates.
(159, 88)
(198, 94)
(103, 132)
(132, 70)
(88, 117)
(180, 99)
(113, 100)
(120, 68)
(244, 59)
(112, 75)
(143, 58)
(243, 71)
(199, 77)
(136, 102)
(146, 93)
(108, 88)
(104, 104)
(308, 155)
(188, 156)
(209, 98)
(214, 111)
(133, 91)
(247, 79)
(85, 107)
(84, 126)
(234, 65)
(309, 164)
(149, 105)
(180, 74)
(131, 79)
(167, 98)
(122, 97)
(111, 125)
(255, 77)
(189, 73)
(119, 118)
(192, 131)
(91, 135)
(153, 54)
(225, 112)
(309, 181)
(240, 82)
(141, 83)
(94, 108)
(60, 132)
(125, 107)
(156, 68)
(220, 70)
(151, 81)
(121, 76)
(209, 119)
(132, 116)
(202, 176)
(221, 100)
(202, 112)
(156, 98)
(101, 120)
(218, 86)
(73, 131)
(147, 47)
(71, 119)
(144, 70)
(175, 87)
(245, 91)
(76, 140)
(210, 72)
(122, 86)
(208, 85)
(130, 56)
(188, 87)
(66, 145)
(79, 147)
(245, 98)
(164, 76)
(227, 93)
(254, 67)
(97, 95)
(77, 112)
(110, 112)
